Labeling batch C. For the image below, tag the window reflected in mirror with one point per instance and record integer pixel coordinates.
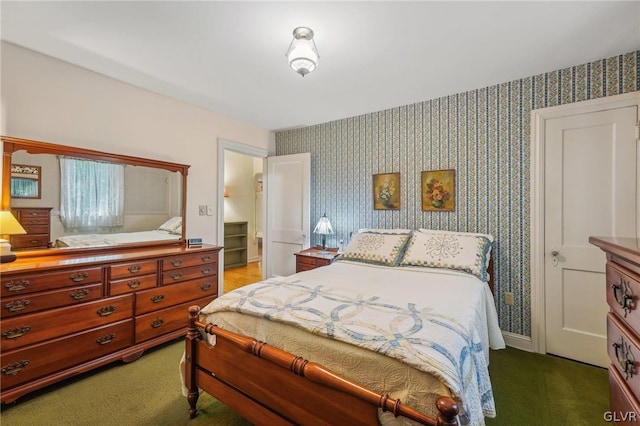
(25, 181)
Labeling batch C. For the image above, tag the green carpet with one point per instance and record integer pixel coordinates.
(529, 389)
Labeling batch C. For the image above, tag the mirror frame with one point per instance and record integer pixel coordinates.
(11, 145)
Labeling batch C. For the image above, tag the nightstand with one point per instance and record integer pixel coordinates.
(314, 257)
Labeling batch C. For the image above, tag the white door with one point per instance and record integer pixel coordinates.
(287, 231)
(591, 178)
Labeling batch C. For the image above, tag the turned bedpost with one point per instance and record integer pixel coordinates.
(193, 336)
(447, 412)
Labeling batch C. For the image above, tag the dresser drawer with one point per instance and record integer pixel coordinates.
(35, 229)
(175, 262)
(16, 284)
(29, 363)
(29, 241)
(132, 284)
(624, 408)
(28, 329)
(50, 299)
(165, 320)
(165, 296)
(126, 270)
(623, 293)
(624, 352)
(26, 215)
(184, 274)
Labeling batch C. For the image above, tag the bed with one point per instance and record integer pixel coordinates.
(403, 313)
(170, 230)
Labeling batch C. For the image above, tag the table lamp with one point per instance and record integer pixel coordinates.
(323, 228)
(9, 225)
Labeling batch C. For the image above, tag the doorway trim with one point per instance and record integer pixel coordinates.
(538, 137)
(227, 145)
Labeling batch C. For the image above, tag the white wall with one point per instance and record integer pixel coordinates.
(53, 101)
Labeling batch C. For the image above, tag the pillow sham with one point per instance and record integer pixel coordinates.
(376, 248)
(173, 225)
(460, 251)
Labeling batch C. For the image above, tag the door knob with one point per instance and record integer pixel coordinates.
(555, 252)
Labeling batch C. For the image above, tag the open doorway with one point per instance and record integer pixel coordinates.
(240, 214)
(243, 190)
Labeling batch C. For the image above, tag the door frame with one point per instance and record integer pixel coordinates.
(537, 229)
(227, 145)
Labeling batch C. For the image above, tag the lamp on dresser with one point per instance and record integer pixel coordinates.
(9, 225)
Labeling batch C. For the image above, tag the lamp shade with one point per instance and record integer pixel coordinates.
(324, 226)
(9, 225)
(302, 54)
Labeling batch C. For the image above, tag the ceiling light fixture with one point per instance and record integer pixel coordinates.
(302, 54)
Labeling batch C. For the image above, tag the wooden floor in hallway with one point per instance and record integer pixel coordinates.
(237, 277)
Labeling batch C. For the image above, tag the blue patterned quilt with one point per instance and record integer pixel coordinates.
(411, 332)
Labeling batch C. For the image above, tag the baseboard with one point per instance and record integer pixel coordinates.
(518, 341)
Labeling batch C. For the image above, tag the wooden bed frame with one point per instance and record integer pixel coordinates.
(267, 385)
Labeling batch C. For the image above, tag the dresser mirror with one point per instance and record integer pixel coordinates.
(134, 202)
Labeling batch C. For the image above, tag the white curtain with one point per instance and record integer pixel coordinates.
(92, 193)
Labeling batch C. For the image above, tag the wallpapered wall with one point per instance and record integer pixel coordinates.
(483, 134)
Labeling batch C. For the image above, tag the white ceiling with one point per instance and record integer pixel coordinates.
(229, 56)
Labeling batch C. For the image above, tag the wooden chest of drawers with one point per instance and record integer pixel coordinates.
(66, 314)
(37, 222)
(623, 325)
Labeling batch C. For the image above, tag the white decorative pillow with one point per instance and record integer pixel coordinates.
(375, 247)
(460, 251)
(172, 225)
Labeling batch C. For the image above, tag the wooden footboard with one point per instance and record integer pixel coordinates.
(267, 385)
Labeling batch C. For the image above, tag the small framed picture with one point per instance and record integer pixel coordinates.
(386, 191)
(439, 190)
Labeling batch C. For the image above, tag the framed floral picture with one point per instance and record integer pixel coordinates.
(439, 190)
(386, 191)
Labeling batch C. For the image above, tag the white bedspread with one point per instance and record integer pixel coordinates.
(96, 240)
(438, 321)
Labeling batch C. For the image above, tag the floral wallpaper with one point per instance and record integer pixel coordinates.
(483, 134)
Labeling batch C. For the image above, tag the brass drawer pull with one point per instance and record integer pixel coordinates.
(176, 262)
(205, 287)
(157, 323)
(34, 241)
(623, 295)
(205, 259)
(105, 340)
(157, 298)
(80, 294)
(206, 271)
(15, 333)
(134, 269)
(79, 277)
(35, 221)
(625, 357)
(105, 311)
(17, 305)
(134, 284)
(17, 285)
(33, 213)
(176, 276)
(15, 368)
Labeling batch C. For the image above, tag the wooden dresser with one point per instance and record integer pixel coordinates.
(66, 314)
(37, 222)
(623, 325)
